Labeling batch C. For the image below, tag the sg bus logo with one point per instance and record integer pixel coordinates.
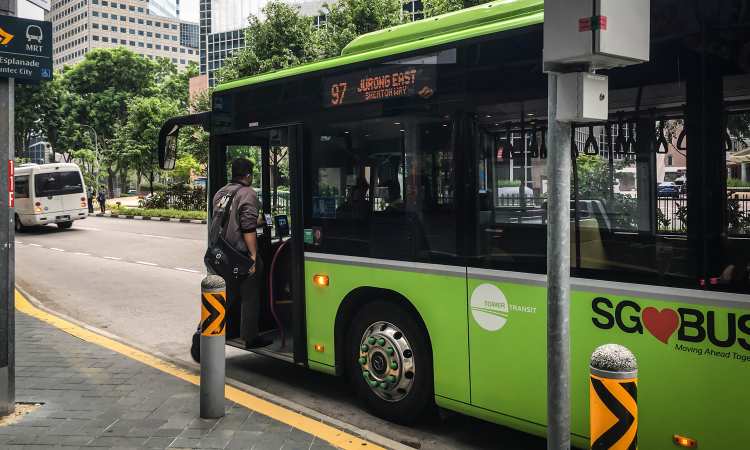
(691, 325)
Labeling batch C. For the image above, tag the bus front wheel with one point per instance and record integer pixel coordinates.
(390, 362)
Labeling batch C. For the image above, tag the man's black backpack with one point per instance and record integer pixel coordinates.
(221, 256)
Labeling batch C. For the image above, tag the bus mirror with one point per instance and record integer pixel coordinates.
(169, 133)
(168, 150)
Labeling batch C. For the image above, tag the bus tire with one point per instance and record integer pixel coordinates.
(389, 362)
(19, 227)
(64, 225)
(195, 347)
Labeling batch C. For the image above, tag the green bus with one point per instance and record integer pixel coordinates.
(415, 259)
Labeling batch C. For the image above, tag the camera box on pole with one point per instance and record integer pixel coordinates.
(596, 34)
(582, 97)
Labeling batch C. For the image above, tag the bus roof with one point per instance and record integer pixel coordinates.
(27, 168)
(467, 23)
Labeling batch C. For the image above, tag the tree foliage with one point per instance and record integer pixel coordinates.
(137, 137)
(285, 38)
(595, 183)
(118, 99)
(109, 105)
(433, 8)
(347, 19)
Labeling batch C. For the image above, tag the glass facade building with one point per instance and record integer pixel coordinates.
(189, 34)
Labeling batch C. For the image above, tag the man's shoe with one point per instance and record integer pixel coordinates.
(260, 342)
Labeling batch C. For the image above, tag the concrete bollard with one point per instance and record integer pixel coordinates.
(613, 390)
(213, 340)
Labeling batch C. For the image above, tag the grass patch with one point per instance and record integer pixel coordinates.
(171, 213)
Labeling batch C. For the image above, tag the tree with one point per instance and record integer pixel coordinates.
(433, 8)
(594, 183)
(285, 38)
(194, 140)
(347, 19)
(105, 80)
(174, 84)
(185, 166)
(100, 87)
(137, 136)
(39, 112)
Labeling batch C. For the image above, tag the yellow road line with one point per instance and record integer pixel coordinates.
(318, 429)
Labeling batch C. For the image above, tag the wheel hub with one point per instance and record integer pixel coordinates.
(387, 361)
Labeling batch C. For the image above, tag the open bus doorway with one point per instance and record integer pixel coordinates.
(280, 315)
(273, 152)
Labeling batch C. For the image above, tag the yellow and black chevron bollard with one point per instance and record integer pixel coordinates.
(613, 398)
(212, 341)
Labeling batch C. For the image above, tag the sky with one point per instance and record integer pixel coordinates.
(188, 10)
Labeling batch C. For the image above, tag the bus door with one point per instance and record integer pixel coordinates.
(273, 152)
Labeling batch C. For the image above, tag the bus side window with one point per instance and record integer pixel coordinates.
(735, 247)
(384, 188)
(22, 186)
(637, 229)
(511, 193)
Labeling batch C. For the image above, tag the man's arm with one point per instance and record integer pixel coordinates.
(248, 221)
(251, 241)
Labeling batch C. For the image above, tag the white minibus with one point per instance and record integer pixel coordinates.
(49, 193)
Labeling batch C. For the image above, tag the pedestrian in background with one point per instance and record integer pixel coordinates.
(102, 199)
(90, 198)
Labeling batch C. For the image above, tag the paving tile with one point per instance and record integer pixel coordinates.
(94, 398)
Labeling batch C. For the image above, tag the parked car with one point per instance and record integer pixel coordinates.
(668, 189)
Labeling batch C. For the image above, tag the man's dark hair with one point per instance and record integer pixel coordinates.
(241, 167)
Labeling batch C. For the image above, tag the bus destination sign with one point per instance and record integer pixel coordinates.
(25, 49)
(392, 81)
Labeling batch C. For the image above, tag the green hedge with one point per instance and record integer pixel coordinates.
(171, 213)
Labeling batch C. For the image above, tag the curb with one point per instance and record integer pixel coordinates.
(158, 219)
(267, 396)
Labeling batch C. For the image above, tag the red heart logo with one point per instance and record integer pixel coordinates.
(662, 324)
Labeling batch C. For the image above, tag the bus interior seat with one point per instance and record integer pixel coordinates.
(591, 246)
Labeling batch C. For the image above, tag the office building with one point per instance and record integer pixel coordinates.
(189, 34)
(221, 46)
(82, 25)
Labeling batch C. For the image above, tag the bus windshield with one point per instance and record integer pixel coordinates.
(58, 183)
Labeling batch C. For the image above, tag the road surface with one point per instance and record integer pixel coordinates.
(140, 280)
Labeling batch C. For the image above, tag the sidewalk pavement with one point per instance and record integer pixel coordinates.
(95, 397)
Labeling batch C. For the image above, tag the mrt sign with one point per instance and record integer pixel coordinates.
(25, 49)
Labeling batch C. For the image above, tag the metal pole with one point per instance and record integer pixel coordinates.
(7, 237)
(558, 276)
(212, 342)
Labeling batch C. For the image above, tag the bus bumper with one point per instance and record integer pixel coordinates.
(31, 220)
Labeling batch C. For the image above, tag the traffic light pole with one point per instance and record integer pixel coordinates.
(7, 237)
